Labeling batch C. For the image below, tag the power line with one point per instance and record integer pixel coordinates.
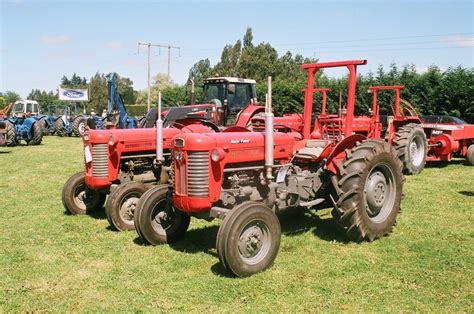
(355, 40)
(149, 45)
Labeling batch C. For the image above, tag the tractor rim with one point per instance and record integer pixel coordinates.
(379, 192)
(81, 128)
(80, 196)
(417, 151)
(254, 242)
(160, 220)
(128, 206)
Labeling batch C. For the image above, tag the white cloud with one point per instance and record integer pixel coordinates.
(55, 40)
(114, 45)
(461, 41)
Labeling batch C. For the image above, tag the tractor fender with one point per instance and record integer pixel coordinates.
(28, 123)
(244, 116)
(236, 128)
(338, 154)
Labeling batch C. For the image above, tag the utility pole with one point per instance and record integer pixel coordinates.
(149, 45)
(169, 58)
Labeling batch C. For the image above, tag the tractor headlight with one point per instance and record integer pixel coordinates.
(217, 154)
(86, 137)
(111, 141)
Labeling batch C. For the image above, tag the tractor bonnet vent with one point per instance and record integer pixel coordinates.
(100, 158)
(198, 174)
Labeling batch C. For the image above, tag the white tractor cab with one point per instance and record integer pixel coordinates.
(230, 95)
(25, 108)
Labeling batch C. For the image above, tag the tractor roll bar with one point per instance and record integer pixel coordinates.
(396, 88)
(308, 99)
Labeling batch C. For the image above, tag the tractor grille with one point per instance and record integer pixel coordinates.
(198, 174)
(100, 158)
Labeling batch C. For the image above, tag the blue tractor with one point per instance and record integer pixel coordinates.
(23, 124)
(116, 116)
(70, 122)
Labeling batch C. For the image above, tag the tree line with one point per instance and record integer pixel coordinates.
(434, 91)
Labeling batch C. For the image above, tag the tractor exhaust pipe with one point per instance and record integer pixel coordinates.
(193, 94)
(159, 133)
(269, 132)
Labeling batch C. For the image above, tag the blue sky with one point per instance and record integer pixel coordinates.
(43, 40)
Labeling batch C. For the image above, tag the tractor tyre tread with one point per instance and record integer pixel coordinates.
(59, 127)
(67, 196)
(76, 123)
(403, 137)
(37, 134)
(470, 155)
(10, 134)
(349, 211)
(143, 219)
(115, 200)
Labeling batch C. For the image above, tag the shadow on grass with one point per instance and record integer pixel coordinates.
(5, 152)
(443, 164)
(96, 214)
(466, 193)
(203, 240)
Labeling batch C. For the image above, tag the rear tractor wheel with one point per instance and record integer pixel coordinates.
(79, 126)
(60, 127)
(10, 134)
(121, 205)
(36, 134)
(369, 191)
(156, 224)
(412, 148)
(470, 155)
(78, 198)
(248, 239)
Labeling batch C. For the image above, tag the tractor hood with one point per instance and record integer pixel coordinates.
(130, 139)
(236, 147)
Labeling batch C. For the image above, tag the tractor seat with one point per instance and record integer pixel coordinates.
(312, 149)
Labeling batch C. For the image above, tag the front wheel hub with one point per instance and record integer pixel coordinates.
(128, 208)
(254, 242)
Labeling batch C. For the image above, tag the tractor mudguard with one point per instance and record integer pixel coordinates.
(338, 153)
(244, 117)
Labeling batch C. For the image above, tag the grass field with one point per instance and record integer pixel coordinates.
(50, 261)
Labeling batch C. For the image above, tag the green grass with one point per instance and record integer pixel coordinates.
(50, 261)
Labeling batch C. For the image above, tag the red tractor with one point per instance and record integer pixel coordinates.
(449, 136)
(247, 177)
(402, 130)
(124, 163)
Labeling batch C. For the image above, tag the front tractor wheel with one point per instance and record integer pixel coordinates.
(412, 148)
(248, 239)
(121, 205)
(78, 198)
(369, 191)
(156, 224)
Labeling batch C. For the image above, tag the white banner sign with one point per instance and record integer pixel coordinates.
(73, 94)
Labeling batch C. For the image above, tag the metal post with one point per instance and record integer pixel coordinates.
(149, 45)
(149, 79)
(159, 132)
(269, 132)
